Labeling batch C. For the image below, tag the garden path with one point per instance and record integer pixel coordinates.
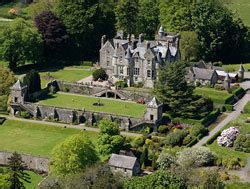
(80, 127)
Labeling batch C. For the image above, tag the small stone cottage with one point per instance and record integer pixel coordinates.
(126, 164)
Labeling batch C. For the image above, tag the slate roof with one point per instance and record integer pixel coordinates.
(18, 85)
(204, 74)
(122, 161)
(154, 103)
(224, 74)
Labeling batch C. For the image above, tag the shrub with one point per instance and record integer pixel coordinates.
(228, 137)
(196, 157)
(100, 74)
(229, 100)
(211, 117)
(187, 139)
(163, 129)
(138, 85)
(138, 141)
(198, 129)
(239, 92)
(229, 107)
(121, 84)
(165, 160)
(211, 140)
(231, 163)
(242, 143)
(25, 114)
(193, 142)
(3, 103)
(176, 138)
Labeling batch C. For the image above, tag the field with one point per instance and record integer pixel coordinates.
(235, 67)
(217, 96)
(66, 74)
(242, 8)
(33, 138)
(110, 106)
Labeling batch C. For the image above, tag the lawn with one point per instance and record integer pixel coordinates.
(66, 74)
(35, 180)
(217, 96)
(247, 108)
(242, 8)
(33, 138)
(235, 67)
(110, 106)
(5, 8)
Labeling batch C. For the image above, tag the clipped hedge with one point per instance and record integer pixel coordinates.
(193, 142)
(210, 117)
(239, 92)
(229, 100)
(186, 121)
(229, 107)
(213, 138)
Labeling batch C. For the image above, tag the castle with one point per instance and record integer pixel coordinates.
(136, 60)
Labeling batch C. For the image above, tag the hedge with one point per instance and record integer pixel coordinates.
(186, 121)
(87, 63)
(210, 117)
(229, 107)
(229, 100)
(213, 138)
(239, 92)
(193, 142)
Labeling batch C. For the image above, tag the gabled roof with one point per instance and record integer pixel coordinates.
(224, 74)
(204, 74)
(122, 161)
(154, 103)
(18, 85)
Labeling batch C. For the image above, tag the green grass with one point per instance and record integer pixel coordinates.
(217, 96)
(235, 67)
(239, 185)
(247, 108)
(5, 8)
(33, 138)
(242, 8)
(110, 106)
(70, 75)
(35, 180)
(3, 64)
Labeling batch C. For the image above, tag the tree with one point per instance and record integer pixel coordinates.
(20, 43)
(4, 179)
(73, 155)
(86, 21)
(196, 157)
(33, 81)
(99, 74)
(166, 160)
(221, 34)
(189, 45)
(175, 138)
(16, 168)
(148, 18)
(173, 90)
(176, 15)
(7, 79)
(110, 140)
(144, 156)
(126, 13)
(55, 37)
(40, 6)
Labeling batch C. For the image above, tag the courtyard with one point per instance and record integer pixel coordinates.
(113, 106)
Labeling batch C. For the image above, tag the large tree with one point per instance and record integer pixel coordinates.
(73, 155)
(86, 21)
(148, 18)
(33, 81)
(127, 15)
(174, 91)
(16, 169)
(55, 37)
(7, 79)
(221, 34)
(19, 43)
(110, 140)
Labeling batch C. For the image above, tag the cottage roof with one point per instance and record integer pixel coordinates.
(154, 103)
(122, 161)
(204, 74)
(18, 85)
(224, 74)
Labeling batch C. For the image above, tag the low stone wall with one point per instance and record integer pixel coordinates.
(32, 162)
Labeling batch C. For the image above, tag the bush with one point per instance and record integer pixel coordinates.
(196, 157)
(121, 84)
(229, 99)
(100, 74)
(163, 129)
(198, 129)
(187, 139)
(231, 163)
(3, 103)
(176, 138)
(138, 142)
(165, 160)
(242, 143)
(138, 85)
(229, 107)
(214, 137)
(25, 114)
(193, 142)
(239, 92)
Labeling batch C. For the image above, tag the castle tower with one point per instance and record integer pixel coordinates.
(114, 60)
(241, 73)
(129, 70)
(18, 93)
(154, 111)
(227, 82)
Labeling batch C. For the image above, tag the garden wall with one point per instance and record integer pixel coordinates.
(32, 162)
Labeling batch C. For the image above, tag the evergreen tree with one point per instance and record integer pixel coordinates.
(17, 175)
(126, 15)
(144, 156)
(33, 81)
(174, 91)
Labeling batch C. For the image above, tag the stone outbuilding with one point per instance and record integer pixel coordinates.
(154, 111)
(128, 165)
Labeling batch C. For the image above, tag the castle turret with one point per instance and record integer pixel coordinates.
(103, 40)
(115, 59)
(18, 92)
(241, 73)
(161, 32)
(129, 67)
(227, 82)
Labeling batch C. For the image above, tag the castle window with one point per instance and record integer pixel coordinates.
(153, 74)
(15, 99)
(151, 117)
(136, 59)
(137, 71)
(108, 63)
(149, 73)
(128, 71)
(149, 62)
(121, 69)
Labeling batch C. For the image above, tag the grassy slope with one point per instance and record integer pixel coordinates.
(33, 138)
(235, 67)
(217, 96)
(35, 180)
(65, 74)
(110, 106)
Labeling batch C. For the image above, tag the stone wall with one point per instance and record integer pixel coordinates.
(34, 163)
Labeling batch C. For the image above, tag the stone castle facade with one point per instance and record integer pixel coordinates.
(136, 60)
